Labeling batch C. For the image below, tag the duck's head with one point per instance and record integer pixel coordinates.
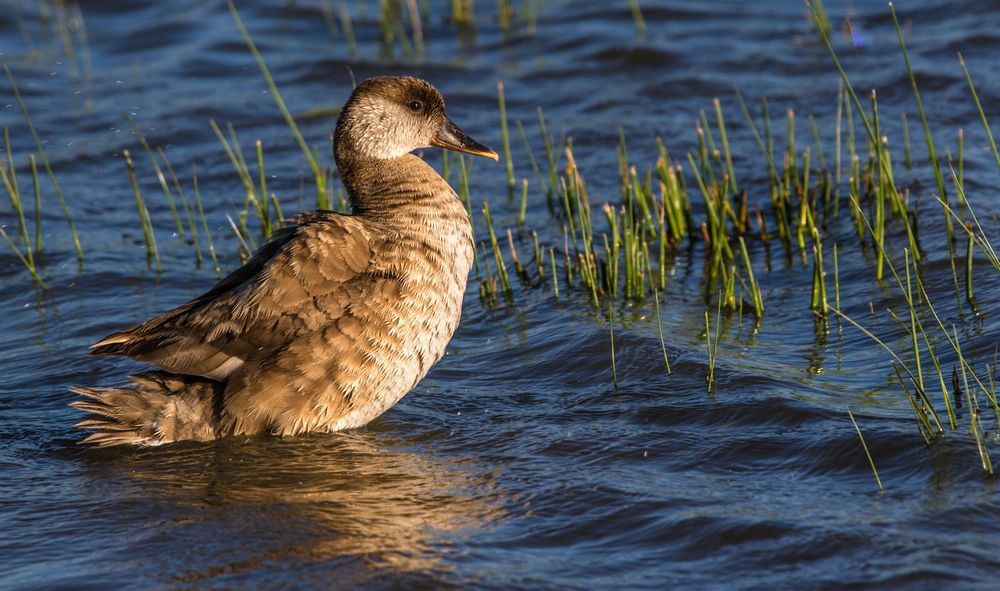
(389, 116)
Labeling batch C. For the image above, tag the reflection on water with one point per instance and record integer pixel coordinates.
(355, 502)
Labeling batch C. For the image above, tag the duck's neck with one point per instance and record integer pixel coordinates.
(397, 188)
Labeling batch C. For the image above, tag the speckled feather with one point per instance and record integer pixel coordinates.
(330, 323)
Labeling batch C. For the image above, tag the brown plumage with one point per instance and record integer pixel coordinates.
(330, 323)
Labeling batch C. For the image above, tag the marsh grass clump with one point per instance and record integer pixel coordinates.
(623, 252)
(152, 253)
(204, 222)
(924, 324)
(256, 199)
(189, 222)
(160, 176)
(259, 203)
(48, 168)
(402, 26)
(323, 195)
(395, 17)
(29, 249)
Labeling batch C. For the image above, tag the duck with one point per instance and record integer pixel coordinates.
(331, 322)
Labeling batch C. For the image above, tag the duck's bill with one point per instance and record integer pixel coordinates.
(450, 137)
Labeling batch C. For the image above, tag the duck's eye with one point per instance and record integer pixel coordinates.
(415, 106)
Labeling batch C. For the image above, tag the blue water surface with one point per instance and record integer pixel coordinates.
(517, 463)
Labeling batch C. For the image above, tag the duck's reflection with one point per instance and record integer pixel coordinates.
(297, 509)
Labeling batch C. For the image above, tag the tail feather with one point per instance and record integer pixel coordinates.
(156, 408)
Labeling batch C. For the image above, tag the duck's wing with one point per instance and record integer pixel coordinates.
(290, 285)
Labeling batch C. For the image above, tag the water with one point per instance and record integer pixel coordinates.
(515, 463)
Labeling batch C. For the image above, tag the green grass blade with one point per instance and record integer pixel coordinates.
(48, 167)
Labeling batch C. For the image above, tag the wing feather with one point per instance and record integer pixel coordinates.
(289, 286)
